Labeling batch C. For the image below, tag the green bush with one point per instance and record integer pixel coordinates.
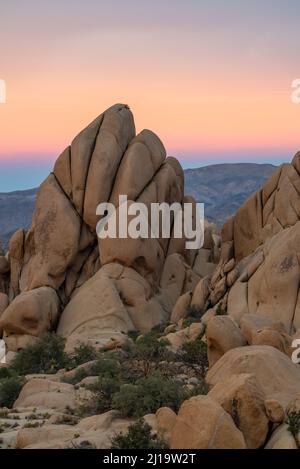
(83, 354)
(194, 312)
(108, 367)
(103, 391)
(9, 391)
(138, 437)
(148, 350)
(46, 355)
(5, 373)
(147, 395)
(195, 353)
(293, 422)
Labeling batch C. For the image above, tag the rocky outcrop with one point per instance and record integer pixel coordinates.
(277, 375)
(259, 270)
(243, 398)
(203, 424)
(61, 276)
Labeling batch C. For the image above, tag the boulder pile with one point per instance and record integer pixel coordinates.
(59, 276)
(228, 312)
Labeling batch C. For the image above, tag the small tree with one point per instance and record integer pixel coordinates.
(147, 395)
(9, 390)
(148, 350)
(138, 437)
(293, 422)
(46, 355)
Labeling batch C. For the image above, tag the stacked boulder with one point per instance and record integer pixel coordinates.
(60, 276)
(258, 272)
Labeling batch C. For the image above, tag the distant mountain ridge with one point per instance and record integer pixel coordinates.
(15, 211)
(224, 187)
(221, 187)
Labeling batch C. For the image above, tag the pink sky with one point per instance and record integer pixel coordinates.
(211, 78)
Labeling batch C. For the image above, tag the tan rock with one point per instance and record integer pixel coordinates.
(237, 304)
(201, 293)
(191, 333)
(232, 277)
(203, 424)
(227, 251)
(43, 393)
(173, 277)
(251, 324)
(227, 230)
(51, 436)
(105, 319)
(166, 419)
(4, 301)
(218, 291)
(222, 334)
(229, 266)
(210, 313)
(33, 312)
(274, 410)
(150, 419)
(273, 289)
(4, 265)
(281, 341)
(278, 376)
(281, 438)
(243, 398)
(180, 309)
(143, 254)
(16, 253)
(141, 160)
(115, 132)
(54, 214)
(294, 404)
(16, 342)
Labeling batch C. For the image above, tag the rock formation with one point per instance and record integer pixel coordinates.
(259, 271)
(238, 296)
(62, 277)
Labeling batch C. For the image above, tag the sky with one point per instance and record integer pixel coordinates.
(211, 77)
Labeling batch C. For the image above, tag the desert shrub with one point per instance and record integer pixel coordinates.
(133, 335)
(138, 437)
(5, 373)
(83, 354)
(148, 350)
(32, 425)
(85, 444)
(147, 395)
(9, 391)
(103, 391)
(108, 367)
(66, 419)
(158, 330)
(195, 353)
(293, 422)
(46, 355)
(78, 376)
(105, 367)
(194, 312)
